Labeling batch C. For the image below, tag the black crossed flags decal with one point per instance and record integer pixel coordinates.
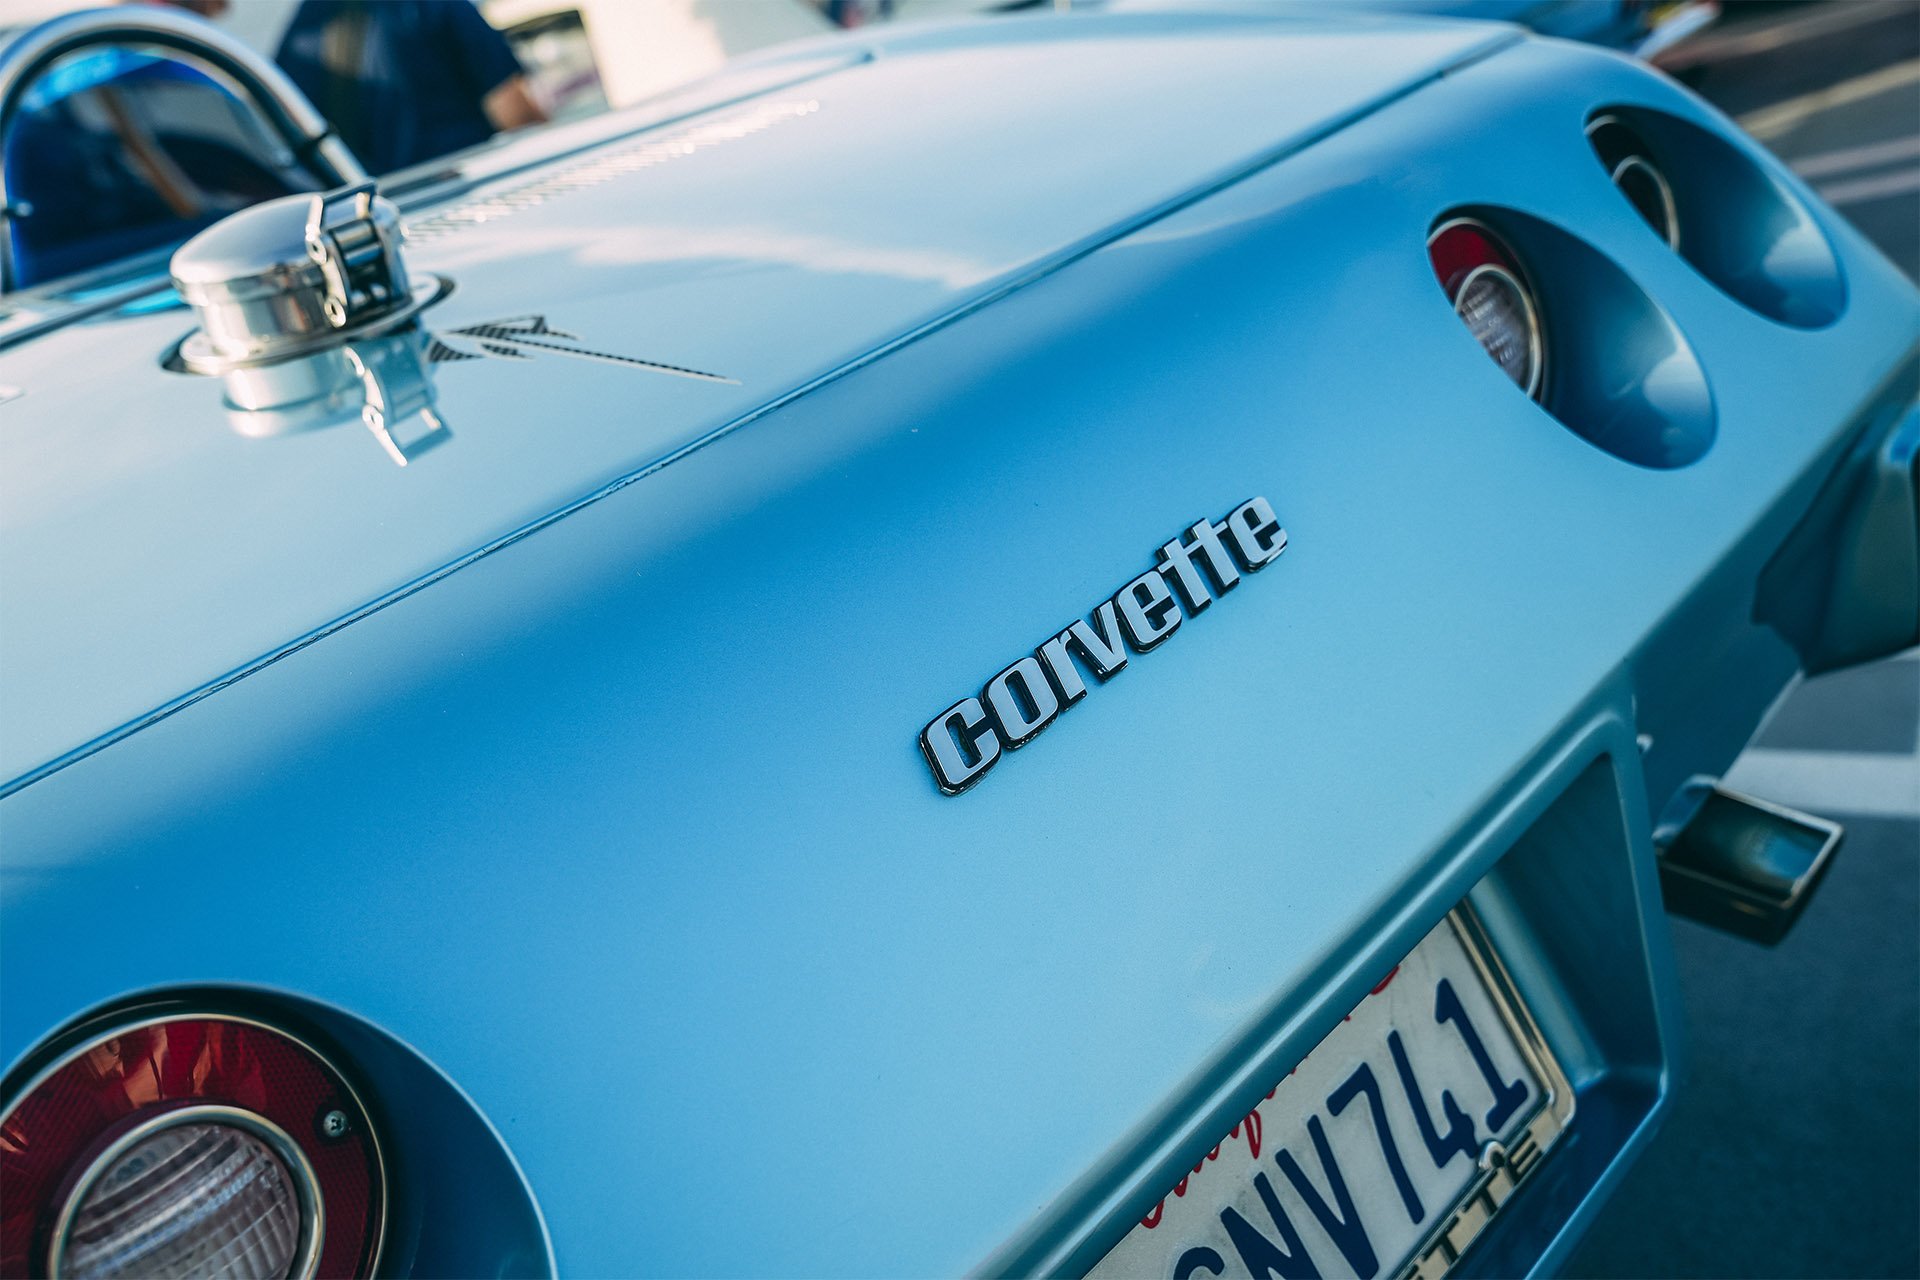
(523, 337)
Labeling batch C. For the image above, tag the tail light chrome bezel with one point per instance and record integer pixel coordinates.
(56, 1202)
(306, 1184)
(1501, 264)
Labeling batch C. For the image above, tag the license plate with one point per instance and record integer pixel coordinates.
(1388, 1149)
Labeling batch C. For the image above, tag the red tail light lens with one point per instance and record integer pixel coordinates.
(1490, 293)
(189, 1146)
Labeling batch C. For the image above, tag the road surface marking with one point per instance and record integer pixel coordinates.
(1725, 44)
(1826, 164)
(1878, 187)
(1781, 117)
(1831, 783)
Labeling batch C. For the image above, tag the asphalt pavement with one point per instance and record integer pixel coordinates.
(1834, 90)
(1793, 1148)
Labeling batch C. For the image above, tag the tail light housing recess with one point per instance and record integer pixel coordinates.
(247, 1135)
(1622, 376)
(1630, 164)
(1723, 211)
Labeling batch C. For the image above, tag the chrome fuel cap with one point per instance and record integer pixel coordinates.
(295, 277)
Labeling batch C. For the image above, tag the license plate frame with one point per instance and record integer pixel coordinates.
(1502, 1170)
(1513, 1147)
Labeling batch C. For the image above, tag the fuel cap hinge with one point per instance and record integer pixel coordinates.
(354, 239)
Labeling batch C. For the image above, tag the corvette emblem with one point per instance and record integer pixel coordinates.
(968, 738)
(523, 337)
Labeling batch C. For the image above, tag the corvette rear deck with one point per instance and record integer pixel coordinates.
(576, 780)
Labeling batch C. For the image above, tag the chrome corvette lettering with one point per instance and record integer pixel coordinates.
(1148, 611)
(960, 745)
(1101, 649)
(1024, 709)
(968, 738)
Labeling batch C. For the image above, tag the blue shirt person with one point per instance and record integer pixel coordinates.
(406, 80)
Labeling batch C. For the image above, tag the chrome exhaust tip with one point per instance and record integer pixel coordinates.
(1743, 865)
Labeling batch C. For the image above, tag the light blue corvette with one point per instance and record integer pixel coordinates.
(538, 856)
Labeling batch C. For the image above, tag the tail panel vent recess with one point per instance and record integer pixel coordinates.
(1732, 221)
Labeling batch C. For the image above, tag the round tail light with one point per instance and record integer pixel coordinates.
(189, 1146)
(1630, 164)
(1490, 293)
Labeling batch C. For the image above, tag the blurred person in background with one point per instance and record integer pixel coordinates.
(116, 150)
(856, 13)
(406, 80)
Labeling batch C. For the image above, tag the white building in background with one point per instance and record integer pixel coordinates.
(641, 47)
